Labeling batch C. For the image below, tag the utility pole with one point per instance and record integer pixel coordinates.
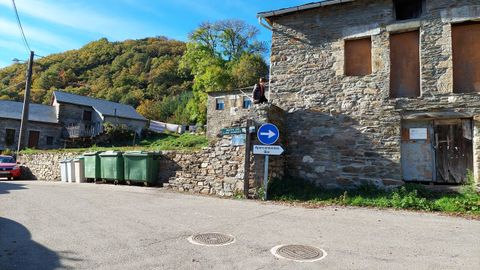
(26, 105)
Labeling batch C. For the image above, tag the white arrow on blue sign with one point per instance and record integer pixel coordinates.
(270, 150)
(268, 134)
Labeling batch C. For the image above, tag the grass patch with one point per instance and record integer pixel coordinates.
(410, 196)
(184, 142)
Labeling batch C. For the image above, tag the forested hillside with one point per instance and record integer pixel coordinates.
(164, 79)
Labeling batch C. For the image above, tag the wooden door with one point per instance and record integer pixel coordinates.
(454, 150)
(33, 138)
(417, 153)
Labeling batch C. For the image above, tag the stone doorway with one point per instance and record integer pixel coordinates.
(438, 151)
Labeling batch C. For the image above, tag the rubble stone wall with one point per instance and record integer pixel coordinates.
(215, 170)
(346, 130)
(44, 166)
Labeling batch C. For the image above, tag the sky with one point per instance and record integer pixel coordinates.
(53, 26)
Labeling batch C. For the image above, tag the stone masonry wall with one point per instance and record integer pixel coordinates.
(43, 166)
(216, 170)
(345, 130)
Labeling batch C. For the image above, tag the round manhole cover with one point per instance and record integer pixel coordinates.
(211, 239)
(299, 253)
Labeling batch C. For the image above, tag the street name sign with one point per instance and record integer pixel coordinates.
(272, 150)
(268, 134)
(233, 131)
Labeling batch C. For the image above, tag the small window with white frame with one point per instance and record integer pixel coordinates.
(220, 104)
(247, 102)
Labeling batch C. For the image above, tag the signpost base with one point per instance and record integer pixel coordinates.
(265, 178)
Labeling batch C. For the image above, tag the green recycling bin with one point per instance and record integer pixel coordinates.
(111, 163)
(92, 165)
(141, 167)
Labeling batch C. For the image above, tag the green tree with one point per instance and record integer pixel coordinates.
(247, 69)
(221, 56)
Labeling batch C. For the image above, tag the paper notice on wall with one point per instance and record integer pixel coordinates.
(239, 139)
(418, 133)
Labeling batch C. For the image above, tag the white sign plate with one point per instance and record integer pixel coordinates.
(271, 150)
(418, 134)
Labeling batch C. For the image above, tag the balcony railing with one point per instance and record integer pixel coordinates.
(82, 130)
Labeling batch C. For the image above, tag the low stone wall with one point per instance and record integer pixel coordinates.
(216, 170)
(43, 166)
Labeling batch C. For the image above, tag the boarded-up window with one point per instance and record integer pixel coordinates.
(358, 57)
(466, 57)
(405, 65)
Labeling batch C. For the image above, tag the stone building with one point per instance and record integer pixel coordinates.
(69, 116)
(378, 91)
(84, 116)
(42, 132)
(226, 109)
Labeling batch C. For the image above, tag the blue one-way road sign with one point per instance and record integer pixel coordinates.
(268, 134)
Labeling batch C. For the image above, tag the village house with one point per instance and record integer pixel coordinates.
(43, 130)
(70, 116)
(84, 116)
(378, 91)
(225, 109)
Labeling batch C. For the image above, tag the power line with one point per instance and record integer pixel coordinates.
(24, 38)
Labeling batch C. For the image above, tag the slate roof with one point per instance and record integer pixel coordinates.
(312, 5)
(103, 107)
(37, 113)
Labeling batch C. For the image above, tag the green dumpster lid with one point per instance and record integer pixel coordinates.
(141, 153)
(93, 153)
(111, 154)
(78, 158)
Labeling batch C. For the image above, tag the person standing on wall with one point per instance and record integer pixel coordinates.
(259, 92)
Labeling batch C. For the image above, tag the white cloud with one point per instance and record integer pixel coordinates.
(75, 15)
(34, 34)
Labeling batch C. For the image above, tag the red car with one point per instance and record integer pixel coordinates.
(9, 168)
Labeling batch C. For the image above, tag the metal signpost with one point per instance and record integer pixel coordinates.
(267, 134)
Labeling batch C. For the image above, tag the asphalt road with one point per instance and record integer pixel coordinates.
(86, 226)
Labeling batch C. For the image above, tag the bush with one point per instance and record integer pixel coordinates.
(118, 133)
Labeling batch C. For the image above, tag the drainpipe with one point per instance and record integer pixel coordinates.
(269, 27)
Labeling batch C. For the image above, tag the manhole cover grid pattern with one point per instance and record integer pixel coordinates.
(299, 252)
(212, 238)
